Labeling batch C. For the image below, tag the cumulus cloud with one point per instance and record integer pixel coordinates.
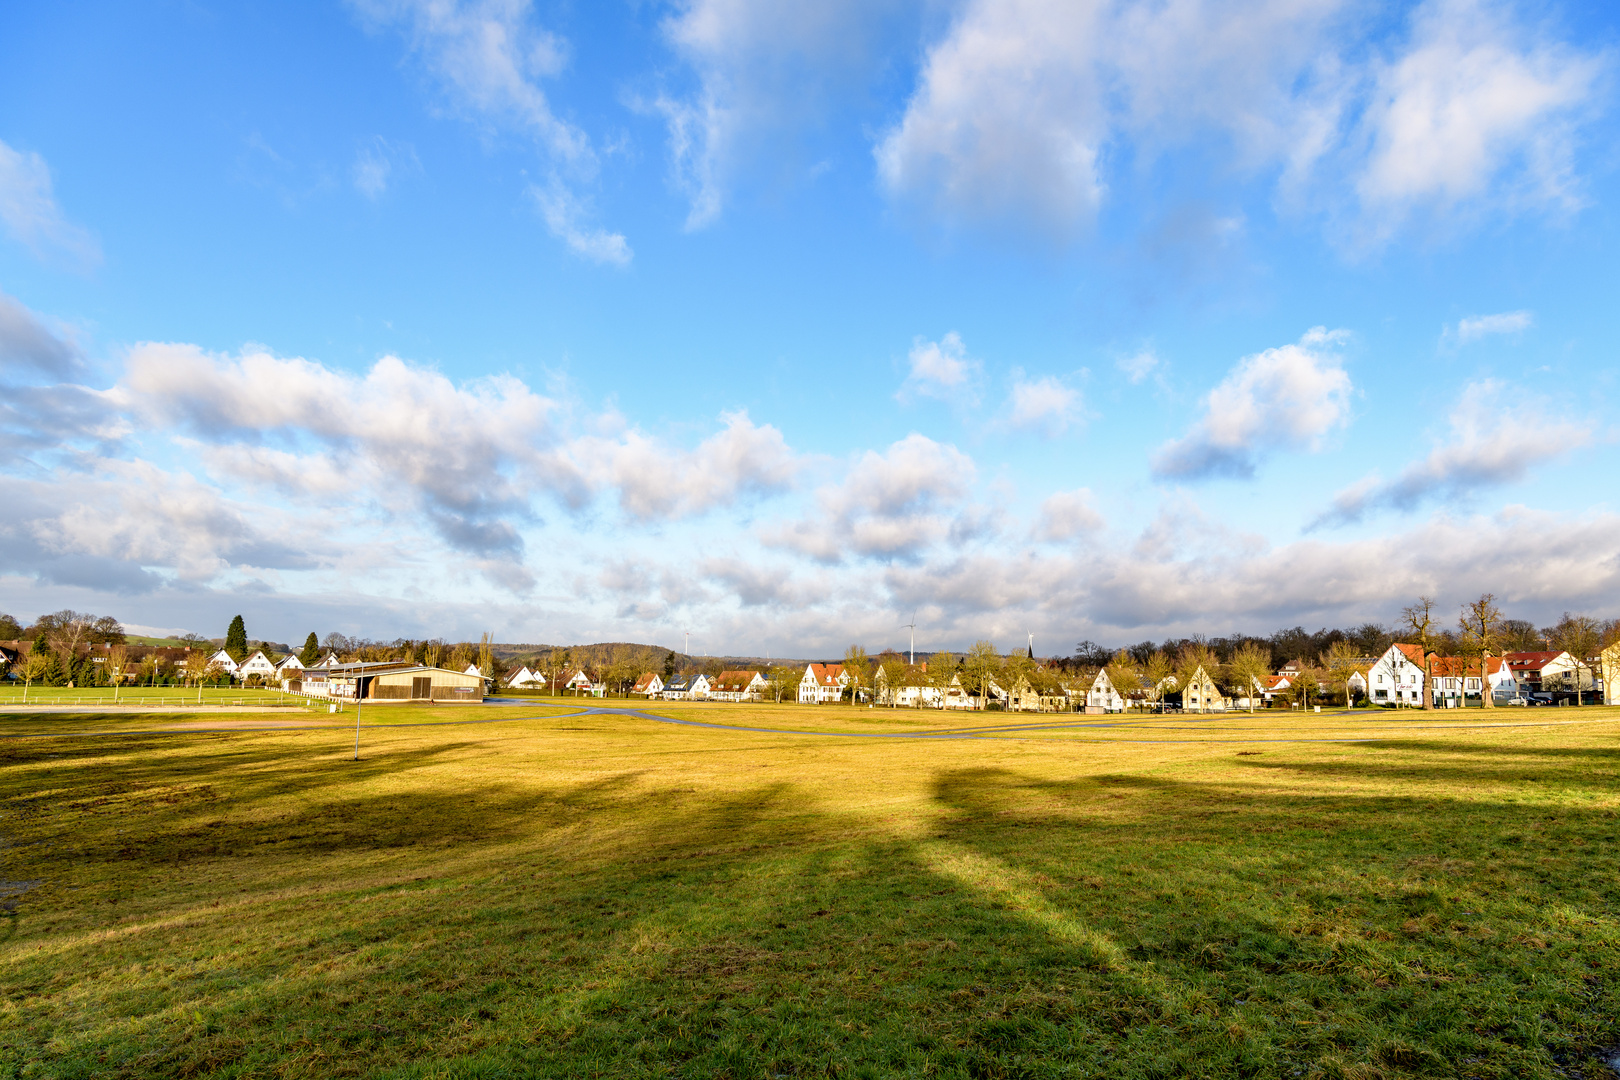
(1044, 404)
(489, 58)
(1022, 104)
(1281, 399)
(30, 214)
(655, 482)
(1475, 101)
(1494, 439)
(888, 506)
(26, 342)
(1066, 515)
(1476, 327)
(939, 369)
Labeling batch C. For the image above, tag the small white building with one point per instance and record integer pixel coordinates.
(822, 684)
(693, 687)
(525, 678)
(289, 666)
(1201, 694)
(738, 686)
(1397, 678)
(224, 662)
(911, 690)
(649, 685)
(1104, 697)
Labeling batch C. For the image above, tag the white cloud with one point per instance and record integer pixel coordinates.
(29, 212)
(377, 163)
(888, 506)
(1496, 437)
(1022, 108)
(1474, 101)
(489, 57)
(1045, 404)
(1284, 398)
(940, 369)
(1068, 514)
(1480, 326)
(655, 482)
(564, 216)
(26, 342)
(1139, 366)
(1008, 116)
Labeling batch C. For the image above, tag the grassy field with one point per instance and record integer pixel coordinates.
(92, 696)
(559, 894)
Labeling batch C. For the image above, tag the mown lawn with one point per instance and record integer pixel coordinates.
(569, 895)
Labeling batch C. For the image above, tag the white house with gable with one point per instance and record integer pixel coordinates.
(822, 683)
(1397, 678)
(1103, 697)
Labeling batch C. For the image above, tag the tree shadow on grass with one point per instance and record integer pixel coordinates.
(1117, 925)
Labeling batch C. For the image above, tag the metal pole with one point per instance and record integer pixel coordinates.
(357, 695)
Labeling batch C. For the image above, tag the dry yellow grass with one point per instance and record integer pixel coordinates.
(560, 893)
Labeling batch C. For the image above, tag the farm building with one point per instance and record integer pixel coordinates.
(389, 681)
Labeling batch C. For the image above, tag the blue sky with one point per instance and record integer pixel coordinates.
(1097, 320)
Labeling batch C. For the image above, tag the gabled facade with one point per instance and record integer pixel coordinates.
(1104, 696)
(822, 684)
(689, 687)
(256, 664)
(1201, 694)
(1456, 679)
(1549, 672)
(577, 681)
(649, 685)
(1397, 677)
(1609, 672)
(738, 686)
(526, 678)
(224, 662)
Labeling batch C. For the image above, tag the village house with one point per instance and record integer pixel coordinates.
(649, 685)
(822, 684)
(692, 686)
(256, 664)
(911, 690)
(1550, 672)
(1457, 678)
(526, 678)
(1201, 694)
(224, 662)
(1609, 669)
(1396, 678)
(577, 681)
(1104, 697)
(737, 686)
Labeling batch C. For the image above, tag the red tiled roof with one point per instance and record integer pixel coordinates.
(1413, 653)
(826, 674)
(645, 681)
(733, 682)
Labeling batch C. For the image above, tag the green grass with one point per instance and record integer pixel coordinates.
(92, 696)
(569, 895)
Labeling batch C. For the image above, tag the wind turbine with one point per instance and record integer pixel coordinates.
(912, 626)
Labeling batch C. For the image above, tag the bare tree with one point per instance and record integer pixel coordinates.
(981, 665)
(1122, 672)
(117, 662)
(1158, 668)
(1581, 636)
(1339, 664)
(1250, 667)
(856, 666)
(1480, 623)
(1419, 621)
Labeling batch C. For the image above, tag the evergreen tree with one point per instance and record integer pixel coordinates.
(236, 643)
(312, 650)
(54, 674)
(669, 667)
